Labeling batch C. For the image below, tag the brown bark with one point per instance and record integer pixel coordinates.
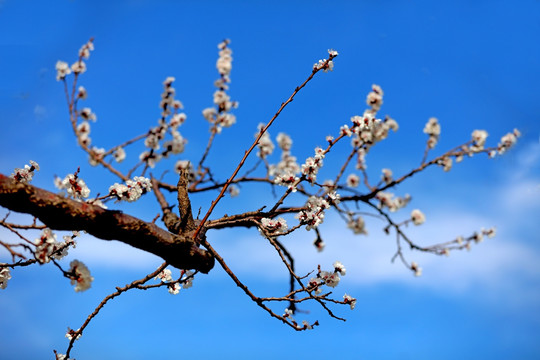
(61, 213)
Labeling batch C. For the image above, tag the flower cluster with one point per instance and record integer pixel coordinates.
(164, 276)
(272, 226)
(75, 186)
(392, 203)
(446, 163)
(4, 277)
(305, 325)
(357, 225)
(169, 108)
(433, 129)
(328, 278)
(25, 174)
(265, 145)
(326, 65)
(288, 164)
(313, 214)
(349, 300)
(220, 116)
(313, 164)
(73, 334)
(132, 190)
(479, 139)
(78, 67)
(386, 176)
(80, 276)
(186, 281)
(507, 141)
(46, 246)
(287, 179)
(96, 155)
(375, 97)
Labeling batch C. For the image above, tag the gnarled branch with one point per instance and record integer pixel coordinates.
(61, 213)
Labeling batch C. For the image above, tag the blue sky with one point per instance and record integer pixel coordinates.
(471, 64)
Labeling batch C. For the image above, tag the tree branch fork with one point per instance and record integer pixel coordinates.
(61, 213)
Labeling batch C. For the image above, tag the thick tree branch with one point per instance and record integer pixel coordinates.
(61, 213)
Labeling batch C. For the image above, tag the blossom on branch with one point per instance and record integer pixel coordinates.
(4, 276)
(25, 174)
(80, 276)
(132, 190)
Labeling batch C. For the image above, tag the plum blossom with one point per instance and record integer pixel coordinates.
(80, 277)
(446, 163)
(25, 174)
(96, 155)
(387, 176)
(287, 179)
(234, 190)
(349, 300)
(82, 93)
(75, 186)
(187, 279)
(319, 244)
(119, 154)
(479, 138)
(313, 214)
(4, 277)
(353, 180)
(417, 269)
(45, 246)
(508, 140)
(417, 217)
(78, 67)
(132, 190)
(164, 276)
(71, 334)
(375, 97)
(265, 145)
(62, 70)
(391, 202)
(357, 225)
(331, 279)
(338, 267)
(433, 129)
(174, 288)
(276, 226)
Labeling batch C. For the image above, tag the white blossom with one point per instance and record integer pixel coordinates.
(164, 275)
(62, 70)
(479, 138)
(276, 226)
(81, 277)
(417, 217)
(387, 176)
(25, 174)
(349, 300)
(357, 225)
(174, 288)
(5, 275)
(132, 190)
(338, 267)
(75, 186)
(331, 279)
(119, 154)
(78, 67)
(417, 269)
